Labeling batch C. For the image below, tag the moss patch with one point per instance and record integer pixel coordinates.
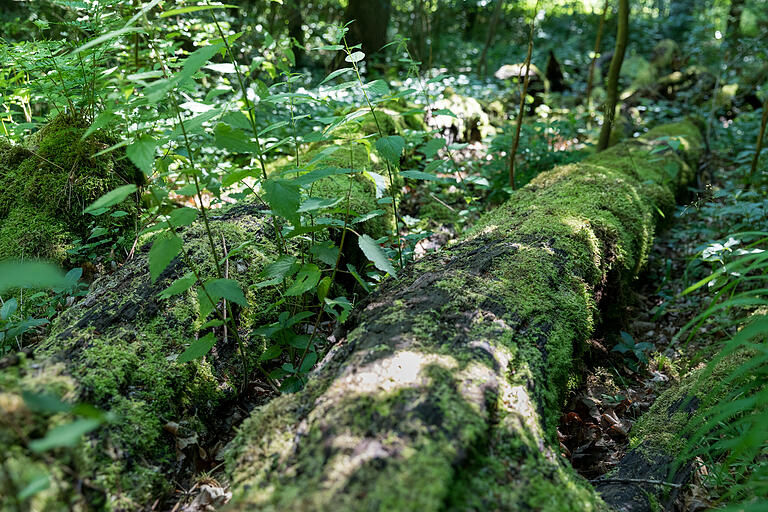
(45, 185)
(446, 392)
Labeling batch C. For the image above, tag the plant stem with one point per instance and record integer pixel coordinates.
(523, 94)
(612, 92)
(386, 161)
(759, 144)
(592, 64)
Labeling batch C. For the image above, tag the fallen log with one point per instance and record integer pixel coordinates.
(116, 350)
(446, 390)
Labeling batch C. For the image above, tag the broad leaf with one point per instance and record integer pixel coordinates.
(142, 153)
(183, 216)
(355, 57)
(198, 348)
(391, 147)
(307, 279)
(64, 435)
(180, 285)
(112, 198)
(283, 197)
(374, 253)
(29, 274)
(162, 253)
(234, 140)
(228, 289)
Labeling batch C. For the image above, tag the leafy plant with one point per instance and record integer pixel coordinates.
(628, 346)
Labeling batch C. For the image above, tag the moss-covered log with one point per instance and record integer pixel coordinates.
(116, 350)
(445, 392)
(45, 184)
(653, 474)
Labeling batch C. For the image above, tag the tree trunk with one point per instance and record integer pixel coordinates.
(482, 64)
(595, 53)
(445, 392)
(612, 86)
(371, 20)
(295, 30)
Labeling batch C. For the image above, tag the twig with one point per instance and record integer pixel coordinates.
(635, 481)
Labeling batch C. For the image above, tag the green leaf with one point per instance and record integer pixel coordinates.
(308, 277)
(8, 309)
(334, 74)
(195, 8)
(355, 57)
(326, 252)
(36, 485)
(434, 164)
(180, 285)
(374, 253)
(309, 362)
(322, 288)
(64, 435)
(312, 204)
(283, 197)
(228, 289)
(391, 147)
(29, 274)
(432, 147)
(195, 61)
(379, 87)
(204, 305)
(106, 37)
(233, 140)
(367, 216)
(112, 198)
(44, 402)
(280, 268)
(271, 353)
(162, 253)
(183, 216)
(100, 122)
(198, 348)
(418, 175)
(142, 153)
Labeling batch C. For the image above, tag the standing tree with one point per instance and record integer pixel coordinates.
(759, 144)
(595, 53)
(371, 19)
(481, 68)
(612, 86)
(523, 94)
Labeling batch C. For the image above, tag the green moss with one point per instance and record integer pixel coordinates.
(453, 380)
(45, 185)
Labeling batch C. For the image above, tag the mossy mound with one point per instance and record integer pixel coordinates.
(467, 121)
(116, 349)
(446, 393)
(47, 182)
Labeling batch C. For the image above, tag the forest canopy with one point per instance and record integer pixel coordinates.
(383, 255)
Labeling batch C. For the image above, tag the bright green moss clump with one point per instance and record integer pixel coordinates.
(446, 392)
(46, 183)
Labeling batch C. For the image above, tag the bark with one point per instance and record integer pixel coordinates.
(444, 393)
(482, 65)
(371, 20)
(759, 145)
(612, 85)
(595, 53)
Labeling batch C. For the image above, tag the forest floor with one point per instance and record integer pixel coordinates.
(617, 388)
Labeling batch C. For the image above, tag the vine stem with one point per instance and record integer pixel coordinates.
(386, 160)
